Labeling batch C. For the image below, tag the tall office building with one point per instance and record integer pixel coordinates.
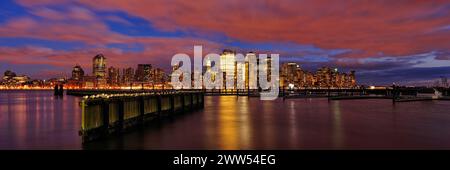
(158, 75)
(128, 76)
(143, 73)
(289, 75)
(352, 78)
(77, 73)
(99, 66)
(113, 76)
(99, 69)
(228, 66)
(251, 72)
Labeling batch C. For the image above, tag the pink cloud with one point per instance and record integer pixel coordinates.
(394, 28)
(369, 28)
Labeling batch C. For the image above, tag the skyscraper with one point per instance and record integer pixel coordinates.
(143, 73)
(251, 72)
(228, 66)
(289, 75)
(99, 69)
(325, 77)
(113, 76)
(77, 73)
(128, 76)
(158, 75)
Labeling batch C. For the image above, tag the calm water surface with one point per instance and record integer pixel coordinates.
(38, 120)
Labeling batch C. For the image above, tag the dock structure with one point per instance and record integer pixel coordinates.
(105, 114)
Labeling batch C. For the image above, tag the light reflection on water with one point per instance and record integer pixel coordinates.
(38, 120)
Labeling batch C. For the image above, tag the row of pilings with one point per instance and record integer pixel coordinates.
(58, 90)
(106, 114)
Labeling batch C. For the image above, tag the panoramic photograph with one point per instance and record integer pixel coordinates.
(224, 75)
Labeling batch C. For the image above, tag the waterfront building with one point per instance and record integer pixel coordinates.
(143, 73)
(99, 69)
(251, 72)
(12, 79)
(228, 66)
(289, 75)
(127, 76)
(325, 77)
(77, 73)
(113, 76)
(89, 82)
(158, 75)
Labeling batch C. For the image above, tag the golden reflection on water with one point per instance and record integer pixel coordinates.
(30, 118)
(234, 125)
(268, 114)
(208, 121)
(292, 124)
(337, 125)
(245, 133)
(228, 123)
(19, 117)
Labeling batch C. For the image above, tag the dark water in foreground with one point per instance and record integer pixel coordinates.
(38, 120)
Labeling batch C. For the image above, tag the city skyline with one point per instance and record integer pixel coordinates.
(404, 42)
(104, 75)
(292, 75)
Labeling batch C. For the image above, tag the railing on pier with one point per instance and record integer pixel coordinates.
(104, 114)
(395, 93)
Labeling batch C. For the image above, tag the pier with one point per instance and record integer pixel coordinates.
(105, 114)
(395, 93)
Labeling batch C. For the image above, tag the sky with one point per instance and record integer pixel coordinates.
(402, 41)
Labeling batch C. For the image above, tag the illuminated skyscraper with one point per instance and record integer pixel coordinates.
(143, 73)
(158, 75)
(77, 73)
(113, 76)
(228, 65)
(251, 72)
(127, 76)
(291, 73)
(99, 66)
(288, 76)
(99, 69)
(324, 77)
(352, 79)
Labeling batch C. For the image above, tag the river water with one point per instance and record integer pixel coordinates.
(39, 120)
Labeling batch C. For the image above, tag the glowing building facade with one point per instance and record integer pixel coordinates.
(292, 76)
(77, 73)
(228, 67)
(113, 76)
(127, 76)
(99, 69)
(143, 73)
